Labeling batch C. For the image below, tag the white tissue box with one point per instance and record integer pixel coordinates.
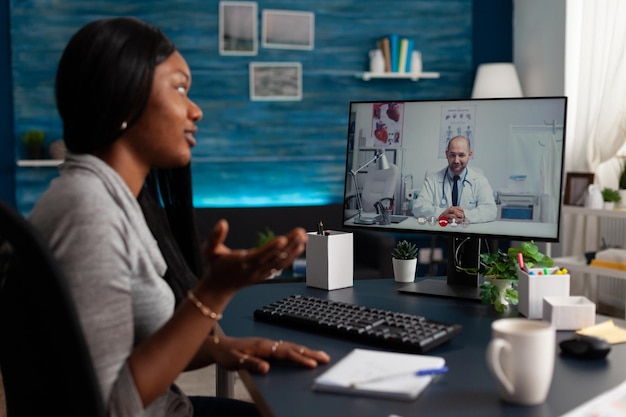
(569, 313)
(329, 260)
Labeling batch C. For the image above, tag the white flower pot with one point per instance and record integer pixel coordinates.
(404, 269)
(503, 285)
(609, 205)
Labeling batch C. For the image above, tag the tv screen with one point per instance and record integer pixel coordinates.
(478, 168)
(508, 152)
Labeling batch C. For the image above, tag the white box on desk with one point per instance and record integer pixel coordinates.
(532, 288)
(569, 313)
(329, 260)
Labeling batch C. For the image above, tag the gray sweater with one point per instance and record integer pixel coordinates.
(96, 229)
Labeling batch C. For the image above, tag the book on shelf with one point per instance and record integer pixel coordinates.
(384, 46)
(409, 55)
(404, 45)
(394, 48)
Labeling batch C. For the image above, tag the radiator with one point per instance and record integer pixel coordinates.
(611, 291)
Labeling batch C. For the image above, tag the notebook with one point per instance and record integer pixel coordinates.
(379, 373)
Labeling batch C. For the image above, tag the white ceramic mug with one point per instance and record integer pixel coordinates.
(521, 357)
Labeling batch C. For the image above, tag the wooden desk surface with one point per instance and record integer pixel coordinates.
(468, 389)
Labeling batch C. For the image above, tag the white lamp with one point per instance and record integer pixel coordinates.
(496, 80)
(383, 163)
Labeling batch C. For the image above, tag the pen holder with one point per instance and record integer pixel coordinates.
(329, 260)
(533, 287)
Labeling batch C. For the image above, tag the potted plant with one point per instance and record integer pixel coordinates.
(34, 139)
(500, 271)
(264, 237)
(404, 259)
(610, 197)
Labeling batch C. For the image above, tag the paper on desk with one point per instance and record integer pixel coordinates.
(607, 404)
(364, 364)
(606, 330)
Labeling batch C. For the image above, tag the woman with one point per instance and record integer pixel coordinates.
(122, 93)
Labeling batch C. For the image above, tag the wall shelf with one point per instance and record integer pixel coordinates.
(366, 76)
(39, 162)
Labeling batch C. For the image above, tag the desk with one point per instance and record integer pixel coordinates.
(496, 227)
(466, 390)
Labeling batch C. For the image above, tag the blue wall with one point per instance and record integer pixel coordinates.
(7, 160)
(261, 153)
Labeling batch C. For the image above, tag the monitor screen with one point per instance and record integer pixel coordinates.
(477, 168)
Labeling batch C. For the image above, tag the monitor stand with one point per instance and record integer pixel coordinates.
(463, 252)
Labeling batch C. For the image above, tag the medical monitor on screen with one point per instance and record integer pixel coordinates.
(466, 169)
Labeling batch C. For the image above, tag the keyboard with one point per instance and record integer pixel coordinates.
(384, 328)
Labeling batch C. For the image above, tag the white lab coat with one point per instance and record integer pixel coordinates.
(475, 194)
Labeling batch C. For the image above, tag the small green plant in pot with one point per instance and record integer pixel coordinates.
(405, 250)
(500, 271)
(610, 196)
(264, 237)
(404, 260)
(33, 140)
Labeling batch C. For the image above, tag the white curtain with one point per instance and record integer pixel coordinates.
(595, 78)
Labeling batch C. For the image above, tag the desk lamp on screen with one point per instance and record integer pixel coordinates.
(480, 169)
(383, 165)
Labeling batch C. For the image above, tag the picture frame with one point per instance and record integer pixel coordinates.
(275, 81)
(238, 28)
(576, 185)
(283, 29)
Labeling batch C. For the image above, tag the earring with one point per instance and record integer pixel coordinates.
(124, 125)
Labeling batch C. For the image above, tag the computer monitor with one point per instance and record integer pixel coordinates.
(508, 153)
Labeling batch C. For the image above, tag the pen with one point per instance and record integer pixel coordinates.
(320, 228)
(421, 372)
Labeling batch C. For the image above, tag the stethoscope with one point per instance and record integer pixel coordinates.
(444, 199)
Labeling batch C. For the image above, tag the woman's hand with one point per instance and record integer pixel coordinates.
(234, 269)
(253, 353)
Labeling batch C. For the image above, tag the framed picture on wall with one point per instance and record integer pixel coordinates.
(576, 185)
(275, 81)
(238, 28)
(288, 30)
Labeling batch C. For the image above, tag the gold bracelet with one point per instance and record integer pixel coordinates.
(206, 311)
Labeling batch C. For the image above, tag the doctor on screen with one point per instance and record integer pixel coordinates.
(457, 191)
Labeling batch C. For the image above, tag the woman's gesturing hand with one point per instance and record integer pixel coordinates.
(234, 269)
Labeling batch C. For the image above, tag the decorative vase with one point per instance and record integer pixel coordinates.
(503, 285)
(377, 61)
(416, 62)
(404, 269)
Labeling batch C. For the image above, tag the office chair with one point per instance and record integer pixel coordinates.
(379, 184)
(44, 358)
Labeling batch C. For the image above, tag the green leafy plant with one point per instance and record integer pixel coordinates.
(33, 138)
(610, 195)
(504, 266)
(264, 237)
(404, 250)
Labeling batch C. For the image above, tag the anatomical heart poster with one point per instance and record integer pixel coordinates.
(387, 122)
